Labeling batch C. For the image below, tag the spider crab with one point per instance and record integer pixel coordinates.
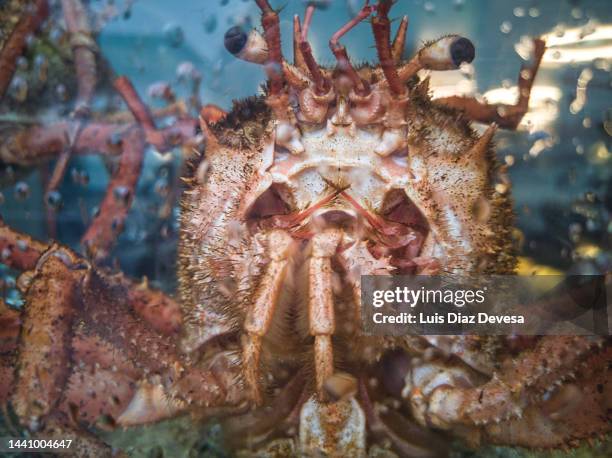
(334, 173)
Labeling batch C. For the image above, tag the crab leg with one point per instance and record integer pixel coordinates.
(259, 316)
(270, 23)
(321, 303)
(503, 397)
(382, 32)
(45, 340)
(506, 116)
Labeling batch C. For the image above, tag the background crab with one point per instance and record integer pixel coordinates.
(335, 173)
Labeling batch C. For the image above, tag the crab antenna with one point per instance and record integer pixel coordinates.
(399, 43)
(320, 82)
(339, 51)
(382, 33)
(271, 26)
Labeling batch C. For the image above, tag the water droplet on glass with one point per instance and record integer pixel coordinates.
(524, 47)
(61, 92)
(353, 7)
(458, 4)
(41, 67)
(122, 194)
(18, 88)
(187, 71)
(505, 27)
(319, 4)
(22, 63)
(161, 187)
(160, 90)
(173, 35)
(209, 23)
(54, 199)
(55, 35)
(14, 299)
(84, 178)
(22, 190)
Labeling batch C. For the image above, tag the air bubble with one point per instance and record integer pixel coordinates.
(122, 194)
(21, 63)
(54, 200)
(505, 27)
(162, 187)
(534, 12)
(22, 190)
(519, 12)
(160, 90)
(209, 23)
(559, 30)
(13, 299)
(576, 13)
(173, 35)
(429, 7)
(61, 92)
(18, 88)
(187, 71)
(320, 4)
(41, 67)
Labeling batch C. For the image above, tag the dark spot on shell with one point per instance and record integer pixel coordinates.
(462, 50)
(235, 39)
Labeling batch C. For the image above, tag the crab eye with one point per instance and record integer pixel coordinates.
(235, 39)
(250, 47)
(447, 53)
(462, 50)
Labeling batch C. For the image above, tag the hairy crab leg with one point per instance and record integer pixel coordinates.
(270, 23)
(22, 252)
(321, 315)
(506, 116)
(259, 316)
(52, 300)
(551, 362)
(382, 33)
(574, 411)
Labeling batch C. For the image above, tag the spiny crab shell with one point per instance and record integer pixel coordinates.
(332, 174)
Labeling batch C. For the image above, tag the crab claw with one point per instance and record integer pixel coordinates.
(334, 429)
(392, 140)
(289, 137)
